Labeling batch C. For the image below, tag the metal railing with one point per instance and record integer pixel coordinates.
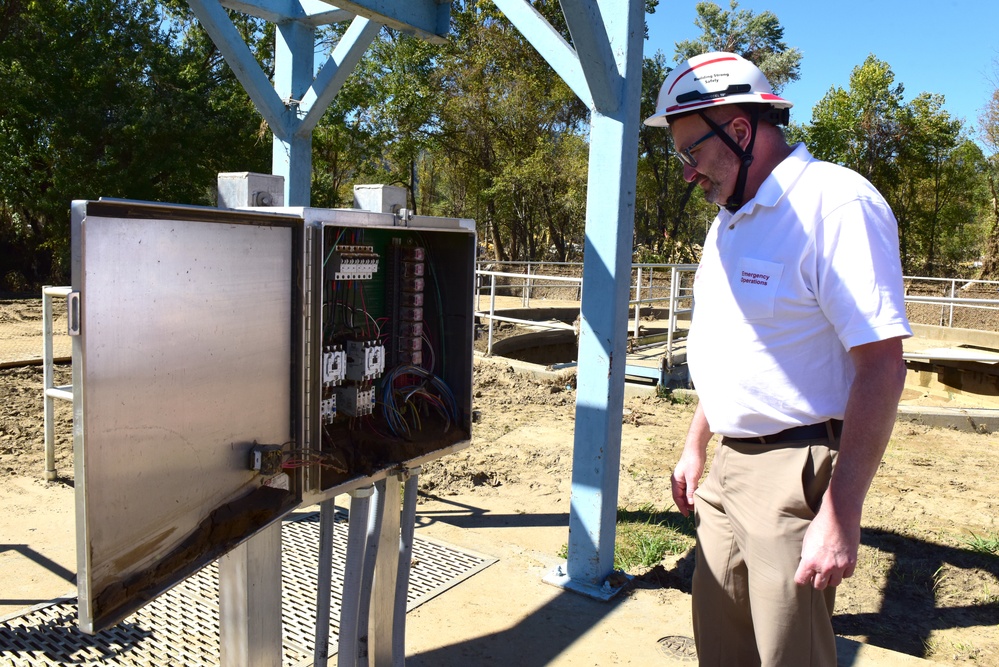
(647, 289)
(51, 391)
(946, 296)
(493, 317)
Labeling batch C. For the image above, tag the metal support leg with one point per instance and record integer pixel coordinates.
(408, 527)
(327, 520)
(250, 601)
(348, 652)
(375, 514)
(376, 579)
(383, 591)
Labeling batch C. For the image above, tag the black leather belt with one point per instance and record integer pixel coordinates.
(809, 432)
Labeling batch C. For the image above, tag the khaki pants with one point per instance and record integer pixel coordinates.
(751, 516)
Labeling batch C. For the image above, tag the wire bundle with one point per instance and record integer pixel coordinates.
(307, 457)
(402, 400)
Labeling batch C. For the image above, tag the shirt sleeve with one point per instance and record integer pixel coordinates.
(859, 273)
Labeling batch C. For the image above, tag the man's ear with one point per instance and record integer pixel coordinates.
(741, 130)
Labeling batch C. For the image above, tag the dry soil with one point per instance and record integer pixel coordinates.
(921, 587)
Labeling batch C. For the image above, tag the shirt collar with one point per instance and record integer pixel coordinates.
(776, 184)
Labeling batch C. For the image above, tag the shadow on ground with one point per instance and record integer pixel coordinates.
(917, 578)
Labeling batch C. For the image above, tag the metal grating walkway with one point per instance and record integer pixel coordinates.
(181, 627)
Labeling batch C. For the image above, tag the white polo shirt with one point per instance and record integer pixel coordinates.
(804, 271)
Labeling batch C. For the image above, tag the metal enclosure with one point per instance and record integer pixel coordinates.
(366, 451)
(198, 356)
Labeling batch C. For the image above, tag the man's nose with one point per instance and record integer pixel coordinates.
(689, 173)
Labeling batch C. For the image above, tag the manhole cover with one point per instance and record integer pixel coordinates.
(679, 648)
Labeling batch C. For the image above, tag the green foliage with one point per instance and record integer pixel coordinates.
(988, 544)
(106, 98)
(646, 535)
(756, 37)
(989, 133)
(918, 157)
(132, 99)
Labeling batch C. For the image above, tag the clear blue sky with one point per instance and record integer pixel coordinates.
(950, 47)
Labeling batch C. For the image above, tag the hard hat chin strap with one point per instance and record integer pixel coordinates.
(734, 202)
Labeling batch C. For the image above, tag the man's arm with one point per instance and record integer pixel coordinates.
(690, 467)
(829, 549)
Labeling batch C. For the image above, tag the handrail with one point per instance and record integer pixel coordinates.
(51, 391)
(676, 296)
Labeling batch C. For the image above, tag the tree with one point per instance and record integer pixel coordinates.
(507, 137)
(989, 132)
(107, 98)
(756, 37)
(914, 153)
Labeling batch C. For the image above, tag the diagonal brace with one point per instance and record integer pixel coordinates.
(246, 68)
(588, 28)
(334, 72)
(311, 12)
(548, 42)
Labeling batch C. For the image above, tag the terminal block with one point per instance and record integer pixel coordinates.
(354, 262)
(365, 360)
(266, 459)
(334, 365)
(411, 299)
(355, 400)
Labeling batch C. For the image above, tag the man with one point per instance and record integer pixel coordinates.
(795, 351)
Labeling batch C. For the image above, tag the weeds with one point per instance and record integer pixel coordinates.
(646, 535)
(676, 396)
(988, 545)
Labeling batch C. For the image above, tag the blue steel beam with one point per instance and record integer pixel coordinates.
(588, 29)
(610, 216)
(549, 43)
(228, 40)
(294, 60)
(335, 71)
(428, 19)
(311, 12)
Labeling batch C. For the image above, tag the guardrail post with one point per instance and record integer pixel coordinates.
(638, 300)
(526, 296)
(492, 312)
(950, 322)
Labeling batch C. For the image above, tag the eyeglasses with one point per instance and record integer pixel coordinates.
(686, 154)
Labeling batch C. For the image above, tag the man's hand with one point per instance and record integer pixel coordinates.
(828, 552)
(688, 471)
(686, 476)
(829, 549)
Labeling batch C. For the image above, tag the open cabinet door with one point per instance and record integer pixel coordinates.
(188, 354)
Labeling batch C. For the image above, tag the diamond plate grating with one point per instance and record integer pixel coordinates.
(181, 627)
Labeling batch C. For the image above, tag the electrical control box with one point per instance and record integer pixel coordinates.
(406, 330)
(232, 365)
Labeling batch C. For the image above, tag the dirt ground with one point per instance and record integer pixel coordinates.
(920, 588)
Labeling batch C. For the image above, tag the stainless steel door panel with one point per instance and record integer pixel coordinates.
(186, 356)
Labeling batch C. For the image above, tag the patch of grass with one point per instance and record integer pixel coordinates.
(988, 545)
(646, 535)
(676, 396)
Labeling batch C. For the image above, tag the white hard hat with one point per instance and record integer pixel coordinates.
(710, 80)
